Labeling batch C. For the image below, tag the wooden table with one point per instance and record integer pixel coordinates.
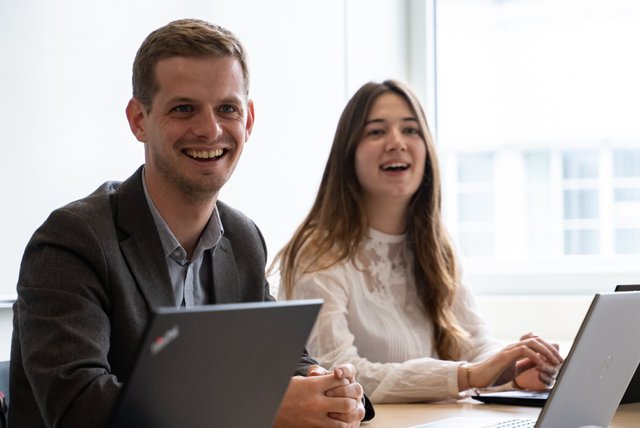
(408, 415)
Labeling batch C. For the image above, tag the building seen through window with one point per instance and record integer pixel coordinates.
(538, 126)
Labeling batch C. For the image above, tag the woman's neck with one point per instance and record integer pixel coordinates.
(387, 216)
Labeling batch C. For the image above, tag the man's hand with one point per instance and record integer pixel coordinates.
(323, 399)
(351, 390)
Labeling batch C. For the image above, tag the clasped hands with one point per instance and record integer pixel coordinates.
(322, 399)
(531, 364)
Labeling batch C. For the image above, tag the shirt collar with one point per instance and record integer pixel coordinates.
(209, 238)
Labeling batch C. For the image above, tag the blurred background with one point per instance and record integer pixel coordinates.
(534, 104)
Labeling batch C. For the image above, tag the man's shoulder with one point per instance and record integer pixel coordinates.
(103, 197)
(233, 219)
(100, 207)
(91, 204)
(240, 229)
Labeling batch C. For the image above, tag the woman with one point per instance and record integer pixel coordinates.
(374, 248)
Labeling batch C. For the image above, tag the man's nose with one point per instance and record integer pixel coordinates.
(207, 125)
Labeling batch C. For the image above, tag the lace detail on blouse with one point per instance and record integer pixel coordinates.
(372, 318)
(385, 261)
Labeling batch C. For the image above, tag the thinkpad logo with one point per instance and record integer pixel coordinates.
(163, 341)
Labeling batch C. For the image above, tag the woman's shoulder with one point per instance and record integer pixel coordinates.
(330, 270)
(336, 278)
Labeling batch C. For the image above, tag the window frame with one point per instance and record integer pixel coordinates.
(558, 273)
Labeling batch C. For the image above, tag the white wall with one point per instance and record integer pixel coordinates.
(6, 315)
(508, 317)
(65, 82)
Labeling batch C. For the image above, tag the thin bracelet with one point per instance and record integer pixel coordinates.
(515, 384)
(468, 370)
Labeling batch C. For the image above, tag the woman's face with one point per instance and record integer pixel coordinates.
(390, 157)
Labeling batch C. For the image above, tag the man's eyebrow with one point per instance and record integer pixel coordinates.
(180, 99)
(232, 100)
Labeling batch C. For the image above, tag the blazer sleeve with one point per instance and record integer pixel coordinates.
(63, 326)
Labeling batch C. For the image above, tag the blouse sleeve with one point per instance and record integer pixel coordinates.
(482, 345)
(332, 343)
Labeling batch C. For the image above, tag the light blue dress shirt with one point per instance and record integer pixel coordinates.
(191, 279)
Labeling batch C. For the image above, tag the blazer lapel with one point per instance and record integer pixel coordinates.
(226, 281)
(141, 244)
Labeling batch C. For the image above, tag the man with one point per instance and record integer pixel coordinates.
(94, 270)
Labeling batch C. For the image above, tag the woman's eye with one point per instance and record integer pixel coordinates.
(412, 131)
(374, 132)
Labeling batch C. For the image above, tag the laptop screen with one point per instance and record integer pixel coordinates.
(216, 365)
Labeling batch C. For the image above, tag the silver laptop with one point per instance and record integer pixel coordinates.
(594, 375)
(537, 399)
(218, 365)
(632, 395)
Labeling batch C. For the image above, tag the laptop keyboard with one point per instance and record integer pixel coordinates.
(514, 423)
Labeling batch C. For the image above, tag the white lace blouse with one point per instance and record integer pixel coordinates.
(372, 318)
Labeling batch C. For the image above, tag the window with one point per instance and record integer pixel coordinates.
(537, 110)
(580, 202)
(626, 201)
(475, 203)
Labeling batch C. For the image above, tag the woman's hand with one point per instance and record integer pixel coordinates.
(536, 379)
(532, 362)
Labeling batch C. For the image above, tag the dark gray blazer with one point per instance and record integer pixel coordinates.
(90, 276)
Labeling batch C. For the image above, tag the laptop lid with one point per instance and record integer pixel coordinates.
(537, 399)
(215, 365)
(596, 371)
(632, 394)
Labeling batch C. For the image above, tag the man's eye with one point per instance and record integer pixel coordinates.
(184, 108)
(227, 109)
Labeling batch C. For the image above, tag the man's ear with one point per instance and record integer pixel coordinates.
(136, 117)
(250, 119)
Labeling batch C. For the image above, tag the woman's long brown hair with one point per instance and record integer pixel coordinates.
(337, 223)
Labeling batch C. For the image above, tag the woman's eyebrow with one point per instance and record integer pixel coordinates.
(404, 119)
(374, 121)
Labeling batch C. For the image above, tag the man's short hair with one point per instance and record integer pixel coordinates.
(186, 38)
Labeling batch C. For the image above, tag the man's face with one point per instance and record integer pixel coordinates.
(196, 127)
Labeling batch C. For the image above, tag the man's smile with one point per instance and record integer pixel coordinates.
(204, 154)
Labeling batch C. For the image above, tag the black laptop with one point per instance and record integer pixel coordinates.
(537, 399)
(218, 365)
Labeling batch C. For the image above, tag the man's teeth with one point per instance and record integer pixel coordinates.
(204, 154)
(395, 167)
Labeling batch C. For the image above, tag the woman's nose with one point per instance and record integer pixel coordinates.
(395, 140)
